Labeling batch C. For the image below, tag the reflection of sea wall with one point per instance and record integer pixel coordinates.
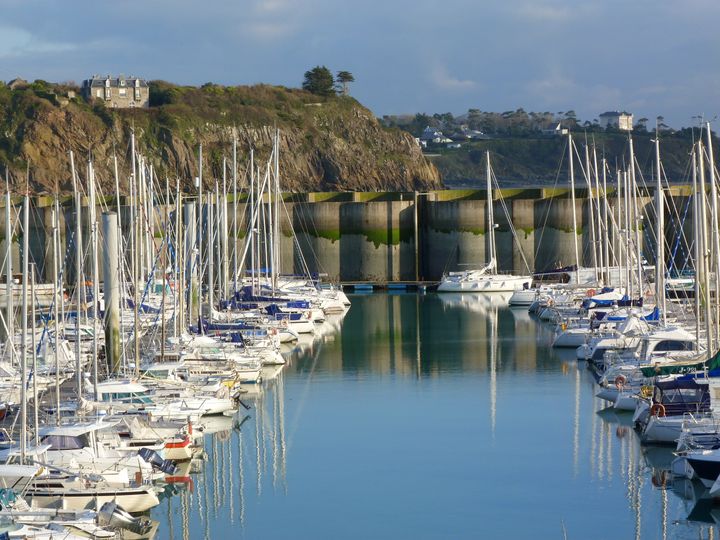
(427, 335)
(372, 236)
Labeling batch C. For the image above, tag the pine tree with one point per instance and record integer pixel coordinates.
(344, 78)
(319, 80)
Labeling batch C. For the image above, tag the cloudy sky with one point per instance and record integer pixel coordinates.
(652, 58)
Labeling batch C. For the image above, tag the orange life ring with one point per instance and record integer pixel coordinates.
(657, 410)
(591, 292)
(620, 381)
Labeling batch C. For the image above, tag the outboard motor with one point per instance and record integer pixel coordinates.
(112, 515)
(153, 458)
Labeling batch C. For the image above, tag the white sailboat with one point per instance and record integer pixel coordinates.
(485, 279)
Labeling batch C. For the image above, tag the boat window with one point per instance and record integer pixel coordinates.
(65, 442)
(673, 345)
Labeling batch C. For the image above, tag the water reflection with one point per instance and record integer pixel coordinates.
(462, 371)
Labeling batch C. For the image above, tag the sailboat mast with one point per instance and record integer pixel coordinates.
(572, 203)
(591, 211)
(714, 233)
(253, 238)
(697, 245)
(56, 315)
(705, 246)
(659, 231)
(95, 277)
(601, 227)
(36, 419)
(78, 276)
(23, 346)
(235, 224)
(637, 219)
(489, 211)
(10, 319)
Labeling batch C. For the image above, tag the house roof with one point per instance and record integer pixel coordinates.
(99, 82)
(615, 113)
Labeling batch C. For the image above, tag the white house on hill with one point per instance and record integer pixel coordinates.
(620, 120)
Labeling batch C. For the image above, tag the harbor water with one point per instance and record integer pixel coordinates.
(430, 416)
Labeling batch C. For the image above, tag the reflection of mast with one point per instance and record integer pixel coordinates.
(576, 437)
(231, 473)
(184, 499)
(258, 454)
(171, 532)
(418, 364)
(273, 439)
(280, 392)
(664, 506)
(241, 478)
(493, 317)
(206, 501)
(216, 475)
(593, 440)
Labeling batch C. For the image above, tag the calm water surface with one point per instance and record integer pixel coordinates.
(429, 416)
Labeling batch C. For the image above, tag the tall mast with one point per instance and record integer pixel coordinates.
(36, 408)
(78, 276)
(235, 224)
(606, 220)
(659, 231)
(56, 300)
(276, 234)
(10, 320)
(574, 210)
(600, 225)
(637, 219)
(23, 346)
(591, 211)
(95, 276)
(697, 245)
(714, 233)
(225, 232)
(705, 249)
(211, 255)
(253, 238)
(179, 262)
(200, 233)
(489, 212)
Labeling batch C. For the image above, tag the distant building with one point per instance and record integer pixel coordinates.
(554, 131)
(117, 92)
(620, 120)
(17, 83)
(430, 134)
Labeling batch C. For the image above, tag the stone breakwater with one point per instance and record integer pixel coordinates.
(391, 236)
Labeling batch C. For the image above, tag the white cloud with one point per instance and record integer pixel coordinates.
(554, 13)
(442, 79)
(16, 42)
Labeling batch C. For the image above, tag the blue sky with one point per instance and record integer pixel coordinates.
(652, 58)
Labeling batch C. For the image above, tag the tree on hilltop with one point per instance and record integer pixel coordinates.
(319, 81)
(344, 78)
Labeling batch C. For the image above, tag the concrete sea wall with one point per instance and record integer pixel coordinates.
(385, 236)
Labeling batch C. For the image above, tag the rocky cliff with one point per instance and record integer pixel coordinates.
(326, 144)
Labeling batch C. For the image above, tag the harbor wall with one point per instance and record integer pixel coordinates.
(381, 236)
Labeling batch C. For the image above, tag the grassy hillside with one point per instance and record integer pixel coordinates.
(326, 143)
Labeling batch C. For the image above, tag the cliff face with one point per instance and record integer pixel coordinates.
(330, 144)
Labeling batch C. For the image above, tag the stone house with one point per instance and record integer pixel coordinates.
(119, 92)
(620, 120)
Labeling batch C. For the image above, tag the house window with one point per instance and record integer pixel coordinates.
(137, 94)
(99, 93)
(108, 93)
(121, 91)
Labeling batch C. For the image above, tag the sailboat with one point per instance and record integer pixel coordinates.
(487, 278)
